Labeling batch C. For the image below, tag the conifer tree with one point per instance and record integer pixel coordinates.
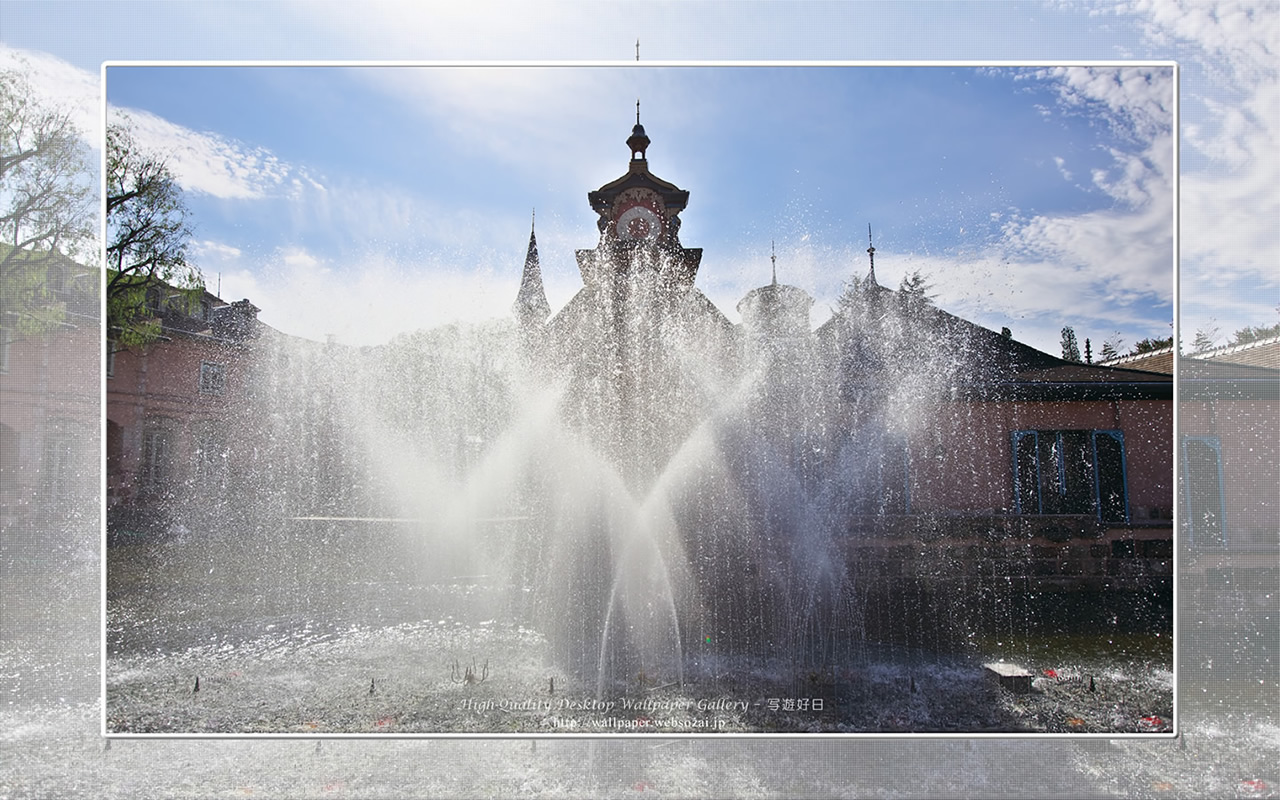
(1070, 349)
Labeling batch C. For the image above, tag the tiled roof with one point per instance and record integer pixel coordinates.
(1004, 368)
(1152, 361)
(1262, 353)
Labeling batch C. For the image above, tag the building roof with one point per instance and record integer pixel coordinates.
(1160, 360)
(1204, 379)
(1260, 353)
(998, 367)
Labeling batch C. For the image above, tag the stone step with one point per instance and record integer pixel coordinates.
(1011, 676)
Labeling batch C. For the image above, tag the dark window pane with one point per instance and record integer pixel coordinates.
(1077, 469)
(1051, 486)
(1026, 473)
(1112, 498)
(1202, 485)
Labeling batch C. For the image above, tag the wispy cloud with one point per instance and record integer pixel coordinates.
(213, 164)
(1230, 241)
(62, 85)
(307, 295)
(1087, 267)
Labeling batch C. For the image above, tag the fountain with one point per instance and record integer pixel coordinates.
(631, 503)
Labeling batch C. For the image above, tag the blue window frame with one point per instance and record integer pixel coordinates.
(1205, 517)
(1071, 472)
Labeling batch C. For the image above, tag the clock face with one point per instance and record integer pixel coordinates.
(637, 219)
(638, 223)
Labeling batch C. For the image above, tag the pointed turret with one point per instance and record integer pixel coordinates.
(531, 306)
(776, 309)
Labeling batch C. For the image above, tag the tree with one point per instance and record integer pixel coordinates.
(851, 295)
(1112, 347)
(1151, 345)
(1070, 349)
(914, 290)
(147, 236)
(46, 202)
(1250, 333)
(1206, 338)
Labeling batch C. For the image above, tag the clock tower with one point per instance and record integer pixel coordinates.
(627, 340)
(638, 216)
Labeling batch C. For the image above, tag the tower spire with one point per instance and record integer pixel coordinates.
(531, 306)
(773, 256)
(871, 253)
(638, 141)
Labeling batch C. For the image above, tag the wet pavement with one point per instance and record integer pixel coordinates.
(51, 722)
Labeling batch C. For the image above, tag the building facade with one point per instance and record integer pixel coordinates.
(49, 396)
(939, 430)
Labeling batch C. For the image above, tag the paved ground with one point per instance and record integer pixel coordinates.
(50, 721)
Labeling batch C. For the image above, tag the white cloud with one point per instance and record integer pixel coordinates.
(1087, 269)
(366, 302)
(205, 249)
(212, 164)
(518, 116)
(1229, 238)
(65, 87)
(1136, 101)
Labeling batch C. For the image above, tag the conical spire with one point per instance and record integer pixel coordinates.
(531, 306)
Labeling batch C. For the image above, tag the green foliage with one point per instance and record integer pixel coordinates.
(1113, 347)
(914, 289)
(1250, 333)
(1070, 349)
(1206, 338)
(147, 237)
(851, 294)
(1151, 345)
(46, 205)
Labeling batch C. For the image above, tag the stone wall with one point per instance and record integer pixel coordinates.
(975, 575)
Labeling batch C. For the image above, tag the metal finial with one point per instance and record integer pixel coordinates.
(533, 218)
(637, 111)
(637, 49)
(773, 256)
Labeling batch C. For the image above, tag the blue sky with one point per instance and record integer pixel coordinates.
(365, 201)
(407, 191)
